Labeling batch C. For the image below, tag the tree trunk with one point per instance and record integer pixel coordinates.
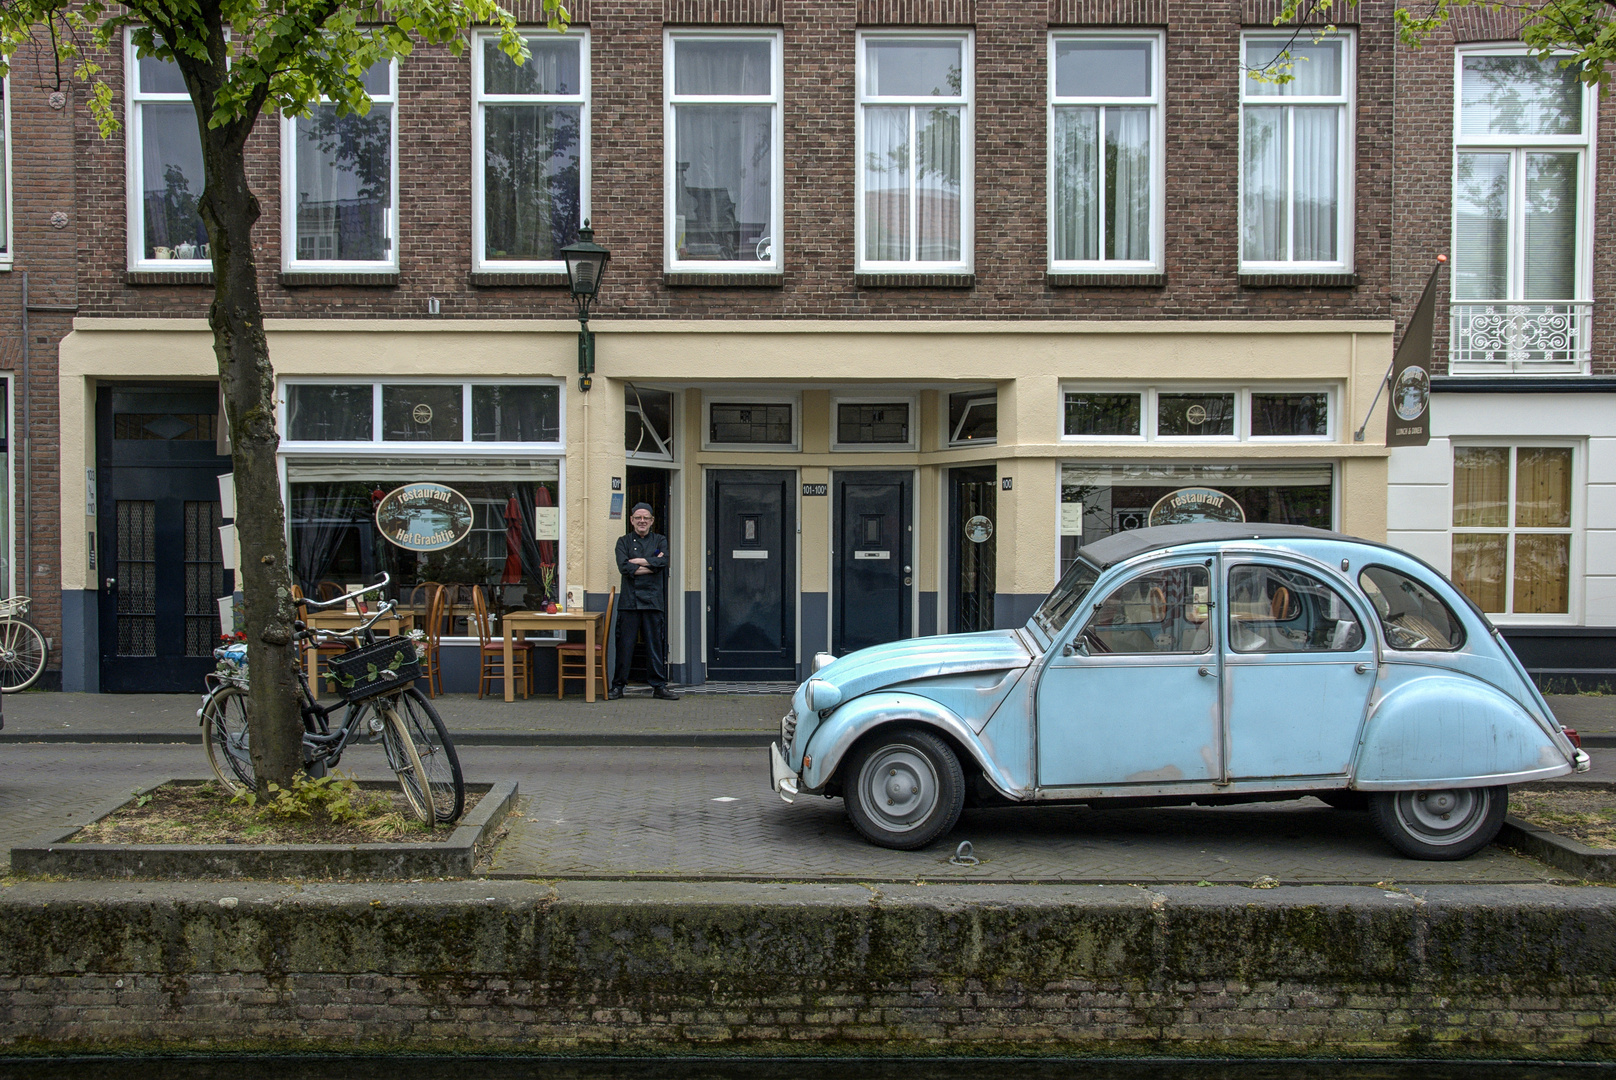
(229, 210)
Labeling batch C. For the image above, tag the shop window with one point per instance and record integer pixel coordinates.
(416, 413)
(1278, 610)
(751, 424)
(1194, 414)
(723, 165)
(1105, 152)
(1278, 416)
(5, 171)
(531, 143)
(1098, 500)
(338, 171)
(516, 413)
(648, 423)
(1115, 415)
(973, 417)
(488, 413)
(873, 423)
(1167, 413)
(915, 142)
(1411, 616)
(1520, 194)
(1165, 611)
(1512, 528)
(165, 169)
(1296, 153)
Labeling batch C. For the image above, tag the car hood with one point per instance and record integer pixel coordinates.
(915, 659)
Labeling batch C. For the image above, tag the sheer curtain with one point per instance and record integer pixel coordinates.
(1264, 187)
(344, 184)
(1551, 226)
(1315, 174)
(321, 514)
(937, 183)
(1077, 202)
(1127, 166)
(723, 153)
(886, 184)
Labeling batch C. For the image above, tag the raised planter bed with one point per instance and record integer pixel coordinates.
(1588, 863)
(54, 855)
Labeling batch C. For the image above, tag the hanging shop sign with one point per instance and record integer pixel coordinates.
(1187, 505)
(424, 517)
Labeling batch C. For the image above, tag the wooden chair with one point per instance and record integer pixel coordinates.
(573, 662)
(329, 648)
(432, 669)
(328, 590)
(492, 667)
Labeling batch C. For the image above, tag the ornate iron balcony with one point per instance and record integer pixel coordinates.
(1525, 337)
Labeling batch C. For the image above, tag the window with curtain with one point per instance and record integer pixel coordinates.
(1512, 513)
(165, 167)
(339, 208)
(723, 151)
(1518, 179)
(5, 170)
(531, 143)
(1296, 154)
(914, 151)
(1104, 152)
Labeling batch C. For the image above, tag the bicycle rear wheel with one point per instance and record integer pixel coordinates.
(438, 782)
(22, 655)
(224, 719)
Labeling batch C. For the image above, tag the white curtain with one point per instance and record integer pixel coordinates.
(1264, 186)
(886, 184)
(551, 69)
(1077, 196)
(344, 183)
(1481, 227)
(1127, 160)
(937, 183)
(1315, 174)
(1551, 226)
(723, 154)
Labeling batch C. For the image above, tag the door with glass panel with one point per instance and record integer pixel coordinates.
(159, 568)
(1512, 527)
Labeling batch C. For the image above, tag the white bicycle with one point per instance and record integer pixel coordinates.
(22, 647)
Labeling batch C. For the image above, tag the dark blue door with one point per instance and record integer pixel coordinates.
(160, 568)
(872, 562)
(751, 575)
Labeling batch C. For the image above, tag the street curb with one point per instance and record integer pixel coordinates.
(52, 855)
(711, 740)
(1589, 864)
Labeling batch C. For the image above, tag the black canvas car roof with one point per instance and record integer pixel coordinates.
(1125, 545)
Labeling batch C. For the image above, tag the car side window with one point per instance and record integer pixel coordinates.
(1164, 611)
(1412, 617)
(1274, 609)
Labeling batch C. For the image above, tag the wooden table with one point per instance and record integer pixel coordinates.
(520, 622)
(400, 622)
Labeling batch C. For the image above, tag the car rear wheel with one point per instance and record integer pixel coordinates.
(1452, 823)
(904, 788)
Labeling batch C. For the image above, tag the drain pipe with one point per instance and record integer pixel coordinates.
(27, 432)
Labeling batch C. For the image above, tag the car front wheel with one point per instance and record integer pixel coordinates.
(904, 788)
(1452, 823)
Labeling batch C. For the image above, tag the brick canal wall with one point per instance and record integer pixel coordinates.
(612, 967)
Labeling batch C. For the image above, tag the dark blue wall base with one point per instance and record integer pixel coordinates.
(1011, 610)
(928, 614)
(693, 672)
(80, 647)
(815, 629)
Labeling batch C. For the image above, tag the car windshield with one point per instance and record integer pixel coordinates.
(1057, 609)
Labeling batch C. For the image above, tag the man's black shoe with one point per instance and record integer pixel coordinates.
(665, 694)
(614, 693)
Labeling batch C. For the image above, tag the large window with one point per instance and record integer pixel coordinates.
(1105, 160)
(1520, 283)
(648, 423)
(1151, 413)
(414, 412)
(5, 172)
(531, 145)
(339, 178)
(915, 146)
(1296, 154)
(723, 172)
(165, 169)
(1512, 518)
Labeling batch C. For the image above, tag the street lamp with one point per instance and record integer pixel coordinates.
(586, 262)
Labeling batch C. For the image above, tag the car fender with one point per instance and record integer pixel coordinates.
(835, 735)
(1435, 730)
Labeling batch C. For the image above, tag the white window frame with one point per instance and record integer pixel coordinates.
(946, 425)
(376, 446)
(967, 104)
(632, 404)
(479, 101)
(913, 442)
(794, 400)
(1346, 155)
(1158, 156)
(1577, 530)
(134, 160)
(289, 260)
(8, 234)
(670, 151)
(1149, 408)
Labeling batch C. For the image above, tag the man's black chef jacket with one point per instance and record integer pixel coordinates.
(643, 592)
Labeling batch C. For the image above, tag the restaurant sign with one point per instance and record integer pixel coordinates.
(424, 517)
(1187, 505)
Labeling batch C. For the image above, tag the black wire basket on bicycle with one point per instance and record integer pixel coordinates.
(386, 667)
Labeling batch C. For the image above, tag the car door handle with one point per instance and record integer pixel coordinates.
(1362, 669)
(1204, 670)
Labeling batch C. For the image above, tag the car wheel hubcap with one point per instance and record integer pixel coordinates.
(1442, 817)
(899, 787)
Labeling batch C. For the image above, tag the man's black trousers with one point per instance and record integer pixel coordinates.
(654, 625)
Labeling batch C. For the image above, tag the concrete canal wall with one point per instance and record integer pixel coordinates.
(647, 967)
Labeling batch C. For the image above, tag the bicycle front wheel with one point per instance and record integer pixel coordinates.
(22, 655)
(224, 720)
(437, 783)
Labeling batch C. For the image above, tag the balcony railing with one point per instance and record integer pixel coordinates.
(1501, 337)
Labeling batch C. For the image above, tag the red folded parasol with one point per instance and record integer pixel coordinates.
(513, 543)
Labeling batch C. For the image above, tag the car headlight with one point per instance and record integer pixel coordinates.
(822, 660)
(822, 695)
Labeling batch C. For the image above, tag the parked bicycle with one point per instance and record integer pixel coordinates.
(22, 647)
(376, 681)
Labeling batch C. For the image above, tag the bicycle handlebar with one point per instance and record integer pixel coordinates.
(324, 605)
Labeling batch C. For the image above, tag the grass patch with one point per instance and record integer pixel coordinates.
(206, 814)
(1586, 816)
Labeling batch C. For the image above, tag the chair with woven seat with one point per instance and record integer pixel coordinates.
(573, 660)
(491, 666)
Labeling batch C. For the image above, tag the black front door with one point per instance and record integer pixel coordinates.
(973, 500)
(751, 575)
(161, 572)
(872, 565)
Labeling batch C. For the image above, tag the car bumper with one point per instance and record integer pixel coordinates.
(781, 777)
